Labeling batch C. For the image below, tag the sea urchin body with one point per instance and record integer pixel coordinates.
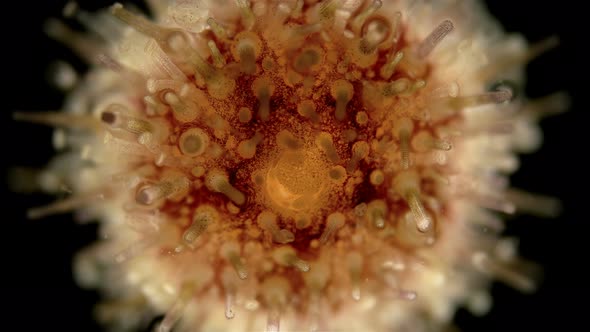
(313, 165)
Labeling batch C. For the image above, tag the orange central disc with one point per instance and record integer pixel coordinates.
(296, 182)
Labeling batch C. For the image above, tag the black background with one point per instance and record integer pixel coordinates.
(37, 290)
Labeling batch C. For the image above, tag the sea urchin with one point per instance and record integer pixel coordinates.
(318, 165)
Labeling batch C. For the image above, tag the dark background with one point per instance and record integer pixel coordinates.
(37, 287)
